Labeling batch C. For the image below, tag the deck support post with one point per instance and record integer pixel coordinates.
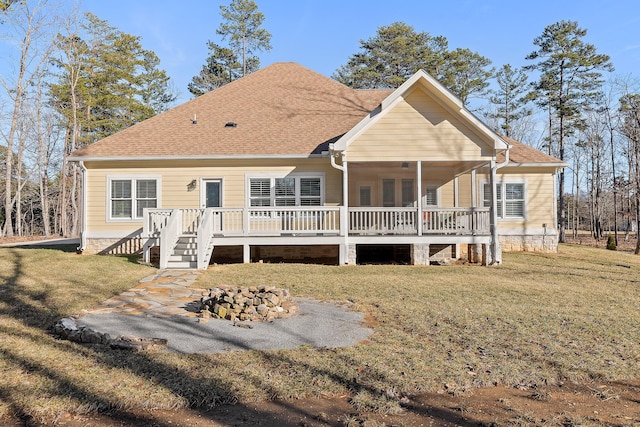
(351, 254)
(246, 253)
(420, 254)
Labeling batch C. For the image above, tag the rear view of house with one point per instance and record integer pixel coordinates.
(288, 164)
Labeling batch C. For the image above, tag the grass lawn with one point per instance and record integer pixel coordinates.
(537, 319)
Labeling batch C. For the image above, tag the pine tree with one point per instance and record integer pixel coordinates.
(570, 75)
(391, 56)
(221, 68)
(397, 51)
(242, 23)
(465, 73)
(510, 98)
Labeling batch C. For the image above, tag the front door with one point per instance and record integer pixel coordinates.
(210, 195)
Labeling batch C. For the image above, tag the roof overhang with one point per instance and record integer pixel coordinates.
(537, 165)
(440, 94)
(202, 157)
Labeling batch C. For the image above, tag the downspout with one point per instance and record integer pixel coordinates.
(494, 231)
(344, 212)
(83, 228)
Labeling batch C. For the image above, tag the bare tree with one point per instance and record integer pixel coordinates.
(630, 128)
(31, 26)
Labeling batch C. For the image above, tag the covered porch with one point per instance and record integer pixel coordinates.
(203, 229)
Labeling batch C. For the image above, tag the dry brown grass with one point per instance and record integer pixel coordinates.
(537, 319)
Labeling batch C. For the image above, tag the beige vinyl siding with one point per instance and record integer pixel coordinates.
(418, 128)
(464, 191)
(539, 187)
(175, 177)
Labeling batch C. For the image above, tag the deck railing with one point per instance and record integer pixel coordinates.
(322, 220)
(372, 221)
(404, 221)
(293, 220)
(464, 221)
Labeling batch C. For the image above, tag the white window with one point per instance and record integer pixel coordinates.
(430, 195)
(128, 197)
(510, 197)
(287, 191)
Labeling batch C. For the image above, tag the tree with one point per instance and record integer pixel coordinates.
(106, 82)
(510, 98)
(242, 23)
(221, 68)
(397, 51)
(393, 55)
(5, 4)
(465, 73)
(30, 26)
(630, 128)
(570, 74)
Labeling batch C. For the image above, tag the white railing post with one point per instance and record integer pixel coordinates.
(169, 235)
(204, 237)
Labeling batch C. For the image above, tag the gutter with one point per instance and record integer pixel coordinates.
(197, 157)
(83, 229)
(344, 212)
(332, 155)
(494, 232)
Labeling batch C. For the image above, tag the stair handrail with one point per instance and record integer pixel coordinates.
(205, 235)
(169, 235)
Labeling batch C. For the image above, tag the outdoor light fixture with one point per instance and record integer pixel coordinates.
(192, 185)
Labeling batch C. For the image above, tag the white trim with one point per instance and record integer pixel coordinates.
(279, 175)
(202, 190)
(132, 177)
(440, 93)
(536, 165)
(196, 157)
(502, 183)
(83, 227)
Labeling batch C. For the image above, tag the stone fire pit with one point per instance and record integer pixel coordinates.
(247, 303)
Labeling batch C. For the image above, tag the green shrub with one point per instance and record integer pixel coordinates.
(611, 243)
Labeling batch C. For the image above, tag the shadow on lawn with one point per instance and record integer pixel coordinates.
(30, 320)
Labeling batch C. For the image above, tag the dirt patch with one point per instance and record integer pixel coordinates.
(594, 404)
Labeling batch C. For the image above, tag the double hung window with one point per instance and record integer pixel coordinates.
(510, 199)
(286, 191)
(129, 197)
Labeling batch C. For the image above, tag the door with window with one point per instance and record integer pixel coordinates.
(211, 197)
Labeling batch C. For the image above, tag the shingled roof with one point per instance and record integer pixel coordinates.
(523, 154)
(282, 110)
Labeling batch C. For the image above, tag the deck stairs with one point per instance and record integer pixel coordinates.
(185, 253)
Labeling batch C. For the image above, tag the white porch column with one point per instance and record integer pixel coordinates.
(494, 254)
(419, 181)
(344, 212)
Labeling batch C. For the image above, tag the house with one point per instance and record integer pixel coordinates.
(287, 163)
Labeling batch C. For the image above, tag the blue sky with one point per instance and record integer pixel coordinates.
(322, 34)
